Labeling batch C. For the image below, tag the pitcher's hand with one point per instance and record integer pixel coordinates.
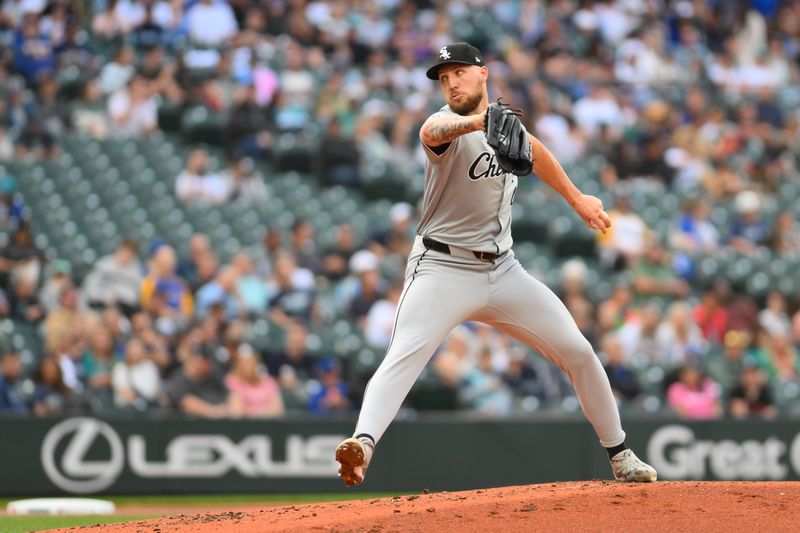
(590, 209)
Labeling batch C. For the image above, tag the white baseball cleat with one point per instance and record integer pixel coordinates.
(353, 456)
(627, 467)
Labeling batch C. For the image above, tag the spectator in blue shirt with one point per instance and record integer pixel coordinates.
(621, 376)
(251, 287)
(33, 51)
(50, 393)
(221, 291)
(10, 370)
(11, 205)
(331, 397)
(75, 51)
(148, 34)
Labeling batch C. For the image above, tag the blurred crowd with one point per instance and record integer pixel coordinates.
(171, 334)
(695, 98)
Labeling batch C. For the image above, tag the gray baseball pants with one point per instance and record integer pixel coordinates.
(442, 291)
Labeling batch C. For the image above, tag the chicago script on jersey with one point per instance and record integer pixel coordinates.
(491, 170)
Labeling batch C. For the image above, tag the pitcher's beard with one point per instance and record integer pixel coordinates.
(467, 105)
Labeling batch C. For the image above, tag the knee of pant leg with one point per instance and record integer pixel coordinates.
(577, 352)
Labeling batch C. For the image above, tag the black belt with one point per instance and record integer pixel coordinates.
(437, 246)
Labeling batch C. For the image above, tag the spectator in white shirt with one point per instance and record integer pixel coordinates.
(115, 75)
(759, 75)
(134, 112)
(245, 182)
(380, 318)
(625, 242)
(597, 109)
(614, 20)
(774, 319)
(211, 22)
(550, 126)
(131, 13)
(197, 185)
(408, 77)
(68, 353)
(136, 380)
(639, 61)
(115, 279)
(14, 10)
(374, 29)
(566, 139)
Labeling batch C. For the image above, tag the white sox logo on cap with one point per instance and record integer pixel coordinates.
(463, 53)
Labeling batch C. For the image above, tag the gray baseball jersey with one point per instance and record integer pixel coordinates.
(468, 197)
(467, 205)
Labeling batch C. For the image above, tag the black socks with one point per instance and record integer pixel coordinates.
(367, 436)
(615, 450)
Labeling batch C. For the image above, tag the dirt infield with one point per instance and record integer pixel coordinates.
(579, 506)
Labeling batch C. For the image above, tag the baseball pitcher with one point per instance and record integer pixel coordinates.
(462, 268)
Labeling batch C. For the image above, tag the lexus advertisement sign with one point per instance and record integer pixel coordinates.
(65, 456)
(87, 455)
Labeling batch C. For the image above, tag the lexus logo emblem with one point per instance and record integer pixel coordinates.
(70, 470)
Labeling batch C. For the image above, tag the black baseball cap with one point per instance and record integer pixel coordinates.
(463, 53)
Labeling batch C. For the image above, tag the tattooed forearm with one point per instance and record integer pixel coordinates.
(443, 130)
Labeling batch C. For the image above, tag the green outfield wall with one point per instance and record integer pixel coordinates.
(160, 456)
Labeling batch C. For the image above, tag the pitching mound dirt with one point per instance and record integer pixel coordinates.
(582, 506)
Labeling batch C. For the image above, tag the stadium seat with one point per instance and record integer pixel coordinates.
(198, 125)
(431, 395)
(569, 239)
(170, 116)
(529, 230)
(738, 271)
(294, 154)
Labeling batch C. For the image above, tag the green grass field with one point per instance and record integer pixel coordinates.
(19, 524)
